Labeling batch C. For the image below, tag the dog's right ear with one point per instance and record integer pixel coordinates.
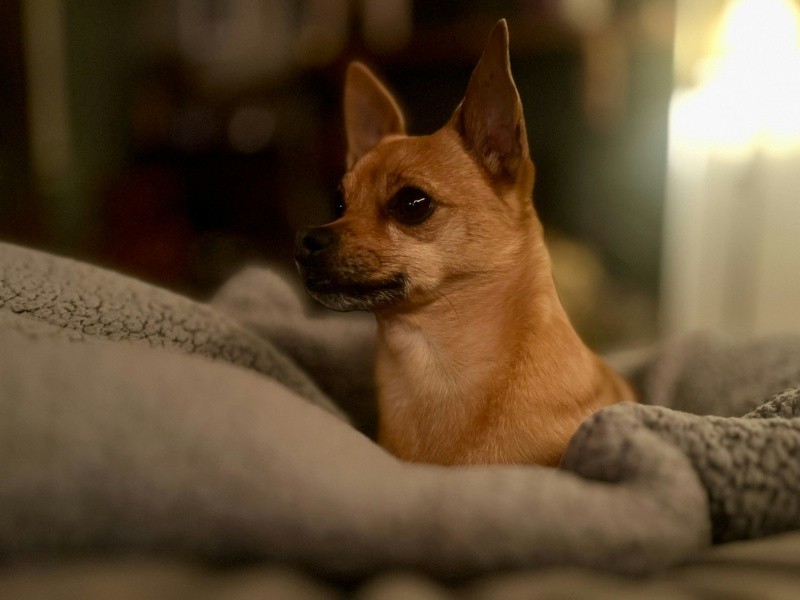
(370, 112)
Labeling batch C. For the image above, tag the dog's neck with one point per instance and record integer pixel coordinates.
(486, 341)
(467, 323)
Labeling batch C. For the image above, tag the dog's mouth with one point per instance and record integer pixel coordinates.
(356, 295)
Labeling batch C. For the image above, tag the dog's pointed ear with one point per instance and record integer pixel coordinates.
(370, 112)
(490, 118)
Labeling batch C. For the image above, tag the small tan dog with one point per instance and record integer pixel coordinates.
(476, 359)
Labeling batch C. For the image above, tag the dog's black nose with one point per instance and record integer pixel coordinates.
(313, 241)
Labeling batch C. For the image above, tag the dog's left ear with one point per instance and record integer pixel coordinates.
(489, 118)
(370, 112)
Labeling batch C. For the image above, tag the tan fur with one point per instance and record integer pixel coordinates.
(478, 362)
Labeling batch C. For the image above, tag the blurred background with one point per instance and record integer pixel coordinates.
(177, 140)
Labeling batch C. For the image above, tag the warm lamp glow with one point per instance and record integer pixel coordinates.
(756, 29)
(749, 88)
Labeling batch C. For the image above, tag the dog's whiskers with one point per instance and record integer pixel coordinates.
(452, 306)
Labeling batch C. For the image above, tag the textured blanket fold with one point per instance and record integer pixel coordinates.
(749, 467)
(199, 442)
(90, 302)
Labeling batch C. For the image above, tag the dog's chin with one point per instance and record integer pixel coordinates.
(351, 295)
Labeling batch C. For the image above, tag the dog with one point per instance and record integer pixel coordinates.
(477, 362)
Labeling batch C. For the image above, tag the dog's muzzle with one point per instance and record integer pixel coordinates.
(336, 283)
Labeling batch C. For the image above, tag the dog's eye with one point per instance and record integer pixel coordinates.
(338, 206)
(410, 206)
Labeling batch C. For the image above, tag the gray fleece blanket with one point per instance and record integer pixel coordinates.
(135, 420)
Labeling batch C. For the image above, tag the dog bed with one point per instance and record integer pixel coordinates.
(138, 422)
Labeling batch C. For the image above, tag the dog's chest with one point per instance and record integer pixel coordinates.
(417, 369)
(428, 398)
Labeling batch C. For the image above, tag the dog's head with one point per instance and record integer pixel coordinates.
(419, 214)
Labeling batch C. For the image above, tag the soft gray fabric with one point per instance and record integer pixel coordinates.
(117, 446)
(92, 302)
(750, 467)
(710, 376)
(753, 570)
(336, 351)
